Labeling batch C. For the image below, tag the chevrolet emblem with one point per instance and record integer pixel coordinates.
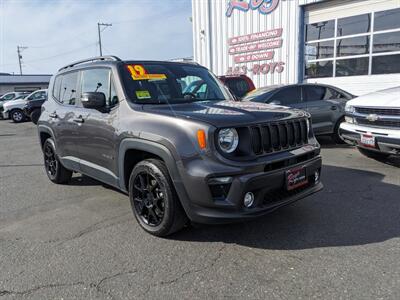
(372, 117)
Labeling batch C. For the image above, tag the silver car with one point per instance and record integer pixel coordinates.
(325, 103)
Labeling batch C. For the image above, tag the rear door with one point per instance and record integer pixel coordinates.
(62, 118)
(97, 144)
(322, 111)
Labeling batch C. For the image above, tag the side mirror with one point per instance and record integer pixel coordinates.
(95, 100)
(275, 102)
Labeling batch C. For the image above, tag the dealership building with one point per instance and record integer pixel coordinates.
(352, 44)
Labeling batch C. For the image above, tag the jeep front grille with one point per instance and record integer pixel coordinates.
(378, 111)
(273, 137)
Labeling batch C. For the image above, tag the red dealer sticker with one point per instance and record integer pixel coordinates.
(255, 47)
(248, 38)
(138, 72)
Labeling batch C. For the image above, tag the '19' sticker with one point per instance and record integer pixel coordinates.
(138, 72)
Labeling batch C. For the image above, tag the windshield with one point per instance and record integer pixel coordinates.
(161, 83)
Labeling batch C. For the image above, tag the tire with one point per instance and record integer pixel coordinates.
(56, 172)
(335, 136)
(35, 115)
(159, 212)
(17, 115)
(373, 154)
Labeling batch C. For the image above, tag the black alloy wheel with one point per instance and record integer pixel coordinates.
(155, 203)
(50, 161)
(149, 198)
(56, 172)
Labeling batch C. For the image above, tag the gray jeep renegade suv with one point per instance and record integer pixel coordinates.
(182, 155)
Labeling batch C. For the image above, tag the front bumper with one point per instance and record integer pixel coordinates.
(269, 188)
(386, 140)
(5, 114)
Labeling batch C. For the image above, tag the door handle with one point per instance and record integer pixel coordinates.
(53, 115)
(333, 107)
(79, 120)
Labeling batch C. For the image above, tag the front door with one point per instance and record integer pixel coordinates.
(97, 143)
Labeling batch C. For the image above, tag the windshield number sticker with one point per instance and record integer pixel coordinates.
(143, 94)
(138, 72)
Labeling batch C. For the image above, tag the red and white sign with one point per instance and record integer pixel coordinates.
(253, 37)
(254, 57)
(256, 47)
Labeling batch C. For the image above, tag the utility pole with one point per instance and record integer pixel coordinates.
(98, 29)
(19, 51)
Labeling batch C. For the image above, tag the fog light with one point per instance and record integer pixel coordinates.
(248, 199)
(316, 177)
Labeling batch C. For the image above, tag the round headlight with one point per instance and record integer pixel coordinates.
(228, 140)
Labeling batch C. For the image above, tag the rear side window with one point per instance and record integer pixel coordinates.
(65, 88)
(317, 93)
(57, 87)
(314, 93)
(291, 95)
(99, 80)
(238, 86)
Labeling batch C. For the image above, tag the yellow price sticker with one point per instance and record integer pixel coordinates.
(138, 72)
(143, 94)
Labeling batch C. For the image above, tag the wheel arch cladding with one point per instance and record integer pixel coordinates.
(147, 149)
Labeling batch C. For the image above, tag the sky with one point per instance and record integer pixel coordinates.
(58, 32)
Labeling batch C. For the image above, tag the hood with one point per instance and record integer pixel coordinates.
(15, 103)
(384, 98)
(226, 113)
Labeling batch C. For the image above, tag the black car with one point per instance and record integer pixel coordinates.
(180, 156)
(33, 108)
(325, 103)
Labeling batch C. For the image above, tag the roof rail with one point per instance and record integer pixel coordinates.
(98, 58)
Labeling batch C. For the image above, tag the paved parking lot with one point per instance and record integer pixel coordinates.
(81, 240)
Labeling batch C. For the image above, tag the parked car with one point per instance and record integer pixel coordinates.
(14, 109)
(9, 97)
(239, 85)
(131, 125)
(33, 108)
(12, 96)
(325, 103)
(373, 123)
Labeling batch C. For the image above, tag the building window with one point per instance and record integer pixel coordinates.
(319, 69)
(321, 30)
(352, 66)
(386, 64)
(354, 25)
(352, 46)
(358, 45)
(388, 19)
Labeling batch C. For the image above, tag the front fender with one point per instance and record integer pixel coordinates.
(160, 150)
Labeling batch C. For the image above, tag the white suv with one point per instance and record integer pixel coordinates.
(14, 109)
(373, 123)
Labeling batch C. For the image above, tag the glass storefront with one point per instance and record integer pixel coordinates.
(365, 44)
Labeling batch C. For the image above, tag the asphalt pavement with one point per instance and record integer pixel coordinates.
(81, 241)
